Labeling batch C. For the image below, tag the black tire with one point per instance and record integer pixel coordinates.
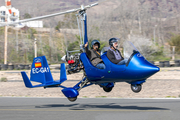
(10, 67)
(26, 67)
(72, 99)
(4, 67)
(136, 88)
(152, 62)
(161, 63)
(107, 89)
(166, 64)
(177, 63)
(16, 67)
(21, 67)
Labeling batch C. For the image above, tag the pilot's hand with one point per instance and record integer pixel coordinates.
(86, 45)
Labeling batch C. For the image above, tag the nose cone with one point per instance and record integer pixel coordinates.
(145, 69)
(150, 69)
(141, 68)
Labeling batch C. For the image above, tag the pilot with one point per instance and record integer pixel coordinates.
(113, 54)
(94, 54)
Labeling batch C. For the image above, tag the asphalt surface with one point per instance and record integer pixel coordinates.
(12, 108)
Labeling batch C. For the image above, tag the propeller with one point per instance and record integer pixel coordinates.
(51, 15)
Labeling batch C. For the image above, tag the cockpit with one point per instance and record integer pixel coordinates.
(136, 65)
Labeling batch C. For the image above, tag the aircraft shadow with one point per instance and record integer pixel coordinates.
(97, 106)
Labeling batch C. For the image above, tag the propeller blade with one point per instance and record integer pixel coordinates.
(47, 16)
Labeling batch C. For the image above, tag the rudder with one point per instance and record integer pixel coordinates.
(26, 80)
(63, 75)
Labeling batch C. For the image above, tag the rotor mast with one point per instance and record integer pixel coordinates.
(83, 16)
(85, 24)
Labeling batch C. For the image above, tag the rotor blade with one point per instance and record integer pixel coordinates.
(47, 16)
(91, 5)
(41, 17)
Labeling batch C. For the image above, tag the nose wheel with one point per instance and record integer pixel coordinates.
(136, 88)
(72, 99)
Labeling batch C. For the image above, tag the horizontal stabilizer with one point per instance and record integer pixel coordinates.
(27, 82)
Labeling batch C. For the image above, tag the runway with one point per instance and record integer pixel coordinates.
(21, 108)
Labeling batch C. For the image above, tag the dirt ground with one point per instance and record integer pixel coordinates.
(163, 84)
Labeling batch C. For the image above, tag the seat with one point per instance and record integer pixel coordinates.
(86, 62)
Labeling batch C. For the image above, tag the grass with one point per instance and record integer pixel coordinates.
(3, 79)
(170, 96)
(85, 96)
(159, 58)
(101, 96)
(151, 97)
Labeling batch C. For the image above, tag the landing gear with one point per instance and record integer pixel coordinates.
(72, 93)
(107, 89)
(136, 88)
(72, 99)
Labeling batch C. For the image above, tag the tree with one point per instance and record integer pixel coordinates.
(27, 15)
(59, 25)
(32, 32)
(147, 48)
(175, 41)
(73, 46)
(70, 22)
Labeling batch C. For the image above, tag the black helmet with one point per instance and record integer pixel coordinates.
(95, 42)
(113, 40)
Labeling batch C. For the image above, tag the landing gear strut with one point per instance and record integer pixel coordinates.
(72, 93)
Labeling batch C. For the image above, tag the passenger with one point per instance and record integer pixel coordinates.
(94, 54)
(113, 54)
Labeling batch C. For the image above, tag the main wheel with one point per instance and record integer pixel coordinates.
(107, 89)
(136, 88)
(72, 99)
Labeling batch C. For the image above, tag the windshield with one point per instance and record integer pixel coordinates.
(128, 49)
(105, 49)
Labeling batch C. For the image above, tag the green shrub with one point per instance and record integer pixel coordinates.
(3, 79)
(175, 41)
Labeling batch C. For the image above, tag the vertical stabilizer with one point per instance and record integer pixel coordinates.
(63, 76)
(26, 80)
(40, 71)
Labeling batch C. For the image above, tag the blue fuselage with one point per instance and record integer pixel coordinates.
(137, 69)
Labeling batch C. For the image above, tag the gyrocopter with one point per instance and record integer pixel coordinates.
(135, 71)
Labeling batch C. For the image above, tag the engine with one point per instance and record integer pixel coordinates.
(74, 63)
